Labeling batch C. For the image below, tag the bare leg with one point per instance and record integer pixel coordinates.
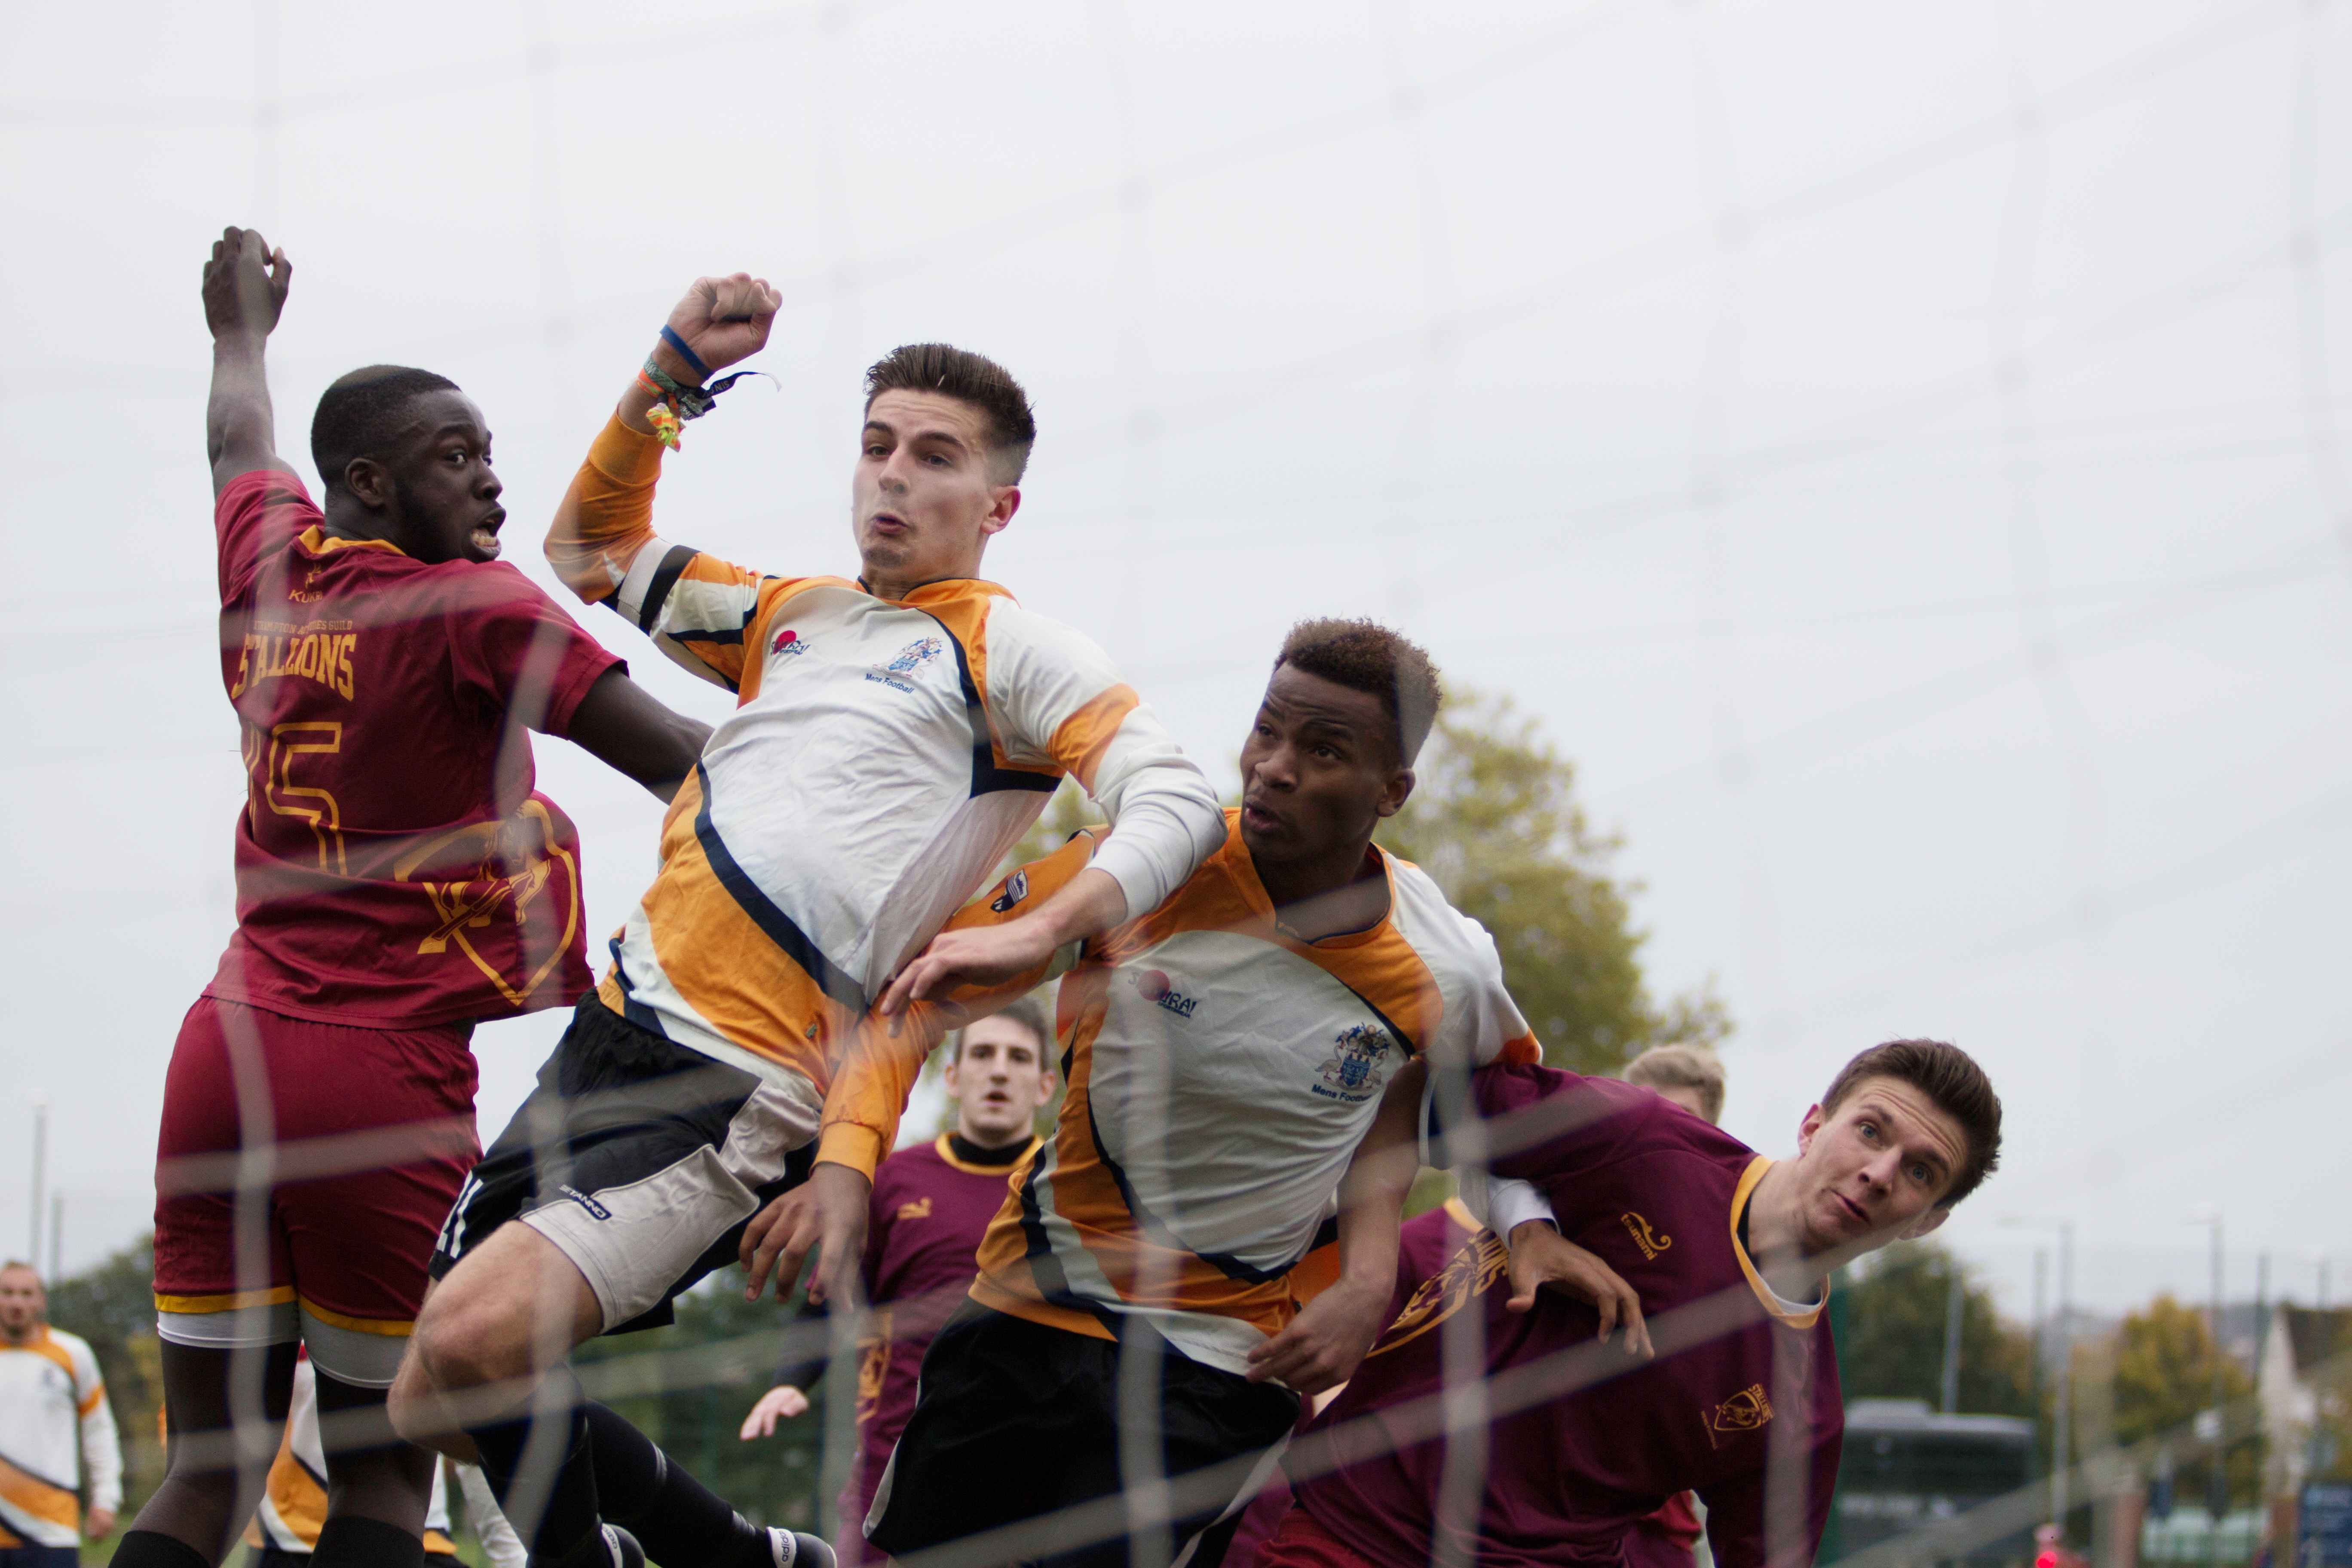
(513, 1308)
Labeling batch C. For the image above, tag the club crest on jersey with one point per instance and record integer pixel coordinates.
(788, 641)
(900, 672)
(1152, 985)
(1745, 1411)
(1016, 887)
(1353, 1075)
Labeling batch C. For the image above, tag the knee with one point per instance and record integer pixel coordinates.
(463, 1339)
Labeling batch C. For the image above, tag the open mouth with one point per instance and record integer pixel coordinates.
(484, 535)
(1259, 820)
(888, 522)
(1853, 1210)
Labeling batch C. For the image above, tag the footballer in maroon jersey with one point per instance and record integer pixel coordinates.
(1730, 1253)
(398, 880)
(930, 1206)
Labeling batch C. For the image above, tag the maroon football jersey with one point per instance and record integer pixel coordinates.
(394, 868)
(1740, 1380)
(924, 1223)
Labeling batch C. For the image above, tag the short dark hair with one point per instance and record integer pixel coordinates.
(968, 378)
(1949, 1075)
(1367, 657)
(360, 411)
(1030, 1013)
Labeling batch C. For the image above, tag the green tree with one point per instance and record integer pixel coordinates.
(2164, 1377)
(1494, 821)
(1891, 1344)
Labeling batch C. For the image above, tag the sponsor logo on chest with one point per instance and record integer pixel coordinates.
(1352, 1073)
(1153, 986)
(788, 643)
(1648, 1240)
(920, 1209)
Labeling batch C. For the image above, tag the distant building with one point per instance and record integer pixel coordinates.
(2300, 1341)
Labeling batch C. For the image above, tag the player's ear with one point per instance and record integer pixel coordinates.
(1810, 1125)
(1003, 502)
(1396, 792)
(371, 482)
(1924, 1223)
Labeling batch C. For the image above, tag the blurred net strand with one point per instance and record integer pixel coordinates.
(2079, 813)
(2307, 247)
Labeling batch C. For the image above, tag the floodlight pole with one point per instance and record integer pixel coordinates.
(2063, 1416)
(40, 1174)
(2217, 1481)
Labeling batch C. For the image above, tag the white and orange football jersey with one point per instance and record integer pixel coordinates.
(882, 758)
(1220, 1075)
(54, 1423)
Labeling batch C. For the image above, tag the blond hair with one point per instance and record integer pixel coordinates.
(1682, 1067)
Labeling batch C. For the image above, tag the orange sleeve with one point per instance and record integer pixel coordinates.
(877, 1072)
(606, 516)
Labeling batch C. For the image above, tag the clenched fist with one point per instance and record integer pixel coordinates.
(722, 319)
(246, 284)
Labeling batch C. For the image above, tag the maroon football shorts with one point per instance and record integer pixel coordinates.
(369, 1134)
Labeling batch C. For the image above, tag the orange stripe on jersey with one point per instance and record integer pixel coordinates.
(1086, 734)
(775, 593)
(1087, 1196)
(237, 1300)
(294, 1494)
(1379, 964)
(607, 514)
(390, 1328)
(715, 954)
(48, 1349)
(31, 1495)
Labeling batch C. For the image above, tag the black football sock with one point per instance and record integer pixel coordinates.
(568, 1522)
(350, 1542)
(675, 1518)
(153, 1549)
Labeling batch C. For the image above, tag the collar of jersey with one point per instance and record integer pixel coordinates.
(1244, 873)
(940, 590)
(947, 1152)
(1802, 1318)
(314, 540)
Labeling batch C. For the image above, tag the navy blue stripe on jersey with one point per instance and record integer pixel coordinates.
(1231, 1268)
(774, 923)
(666, 577)
(634, 1011)
(987, 778)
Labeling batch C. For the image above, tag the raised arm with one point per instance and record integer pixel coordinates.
(245, 288)
(606, 520)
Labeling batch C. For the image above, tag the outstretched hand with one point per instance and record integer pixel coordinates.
(1541, 1256)
(829, 1208)
(726, 319)
(983, 956)
(245, 285)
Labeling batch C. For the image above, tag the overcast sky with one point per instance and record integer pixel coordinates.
(1893, 449)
